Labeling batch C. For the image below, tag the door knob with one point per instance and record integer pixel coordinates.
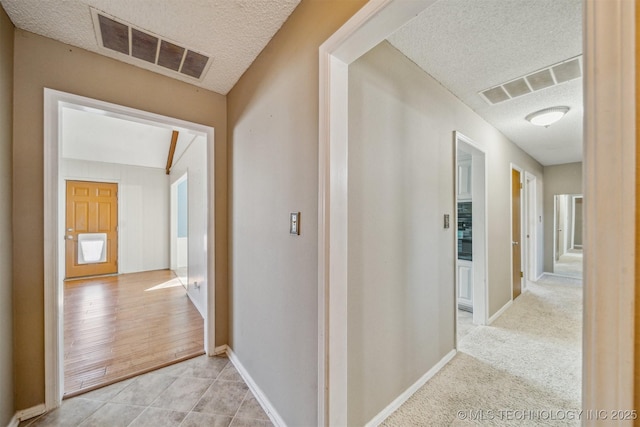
(69, 237)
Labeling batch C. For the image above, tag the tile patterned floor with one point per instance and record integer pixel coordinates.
(204, 391)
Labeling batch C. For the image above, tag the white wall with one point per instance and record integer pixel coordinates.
(143, 217)
(194, 163)
(558, 179)
(401, 259)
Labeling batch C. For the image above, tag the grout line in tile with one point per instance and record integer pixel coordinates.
(240, 406)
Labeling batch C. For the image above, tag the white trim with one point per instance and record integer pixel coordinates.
(609, 216)
(261, 397)
(53, 292)
(369, 26)
(530, 217)
(398, 401)
(14, 422)
(500, 312)
(27, 414)
(53, 321)
(221, 349)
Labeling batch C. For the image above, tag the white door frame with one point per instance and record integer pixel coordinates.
(573, 219)
(53, 233)
(609, 116)
(609, 216)
(480, 248)
(531, 228)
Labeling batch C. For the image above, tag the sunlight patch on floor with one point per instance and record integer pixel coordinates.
(169, 284)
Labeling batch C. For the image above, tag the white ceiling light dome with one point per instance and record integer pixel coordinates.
(548, 116)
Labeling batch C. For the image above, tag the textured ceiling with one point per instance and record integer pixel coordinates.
(98, 136)
(232, 32)
(470, 46)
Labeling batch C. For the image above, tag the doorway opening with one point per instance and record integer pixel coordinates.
(567, 245)
(471, 232)
(142, 241)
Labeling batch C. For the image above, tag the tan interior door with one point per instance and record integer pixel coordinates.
(516, 232)
(92, 207)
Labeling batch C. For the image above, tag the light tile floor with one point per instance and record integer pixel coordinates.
(204, 391)
(465, 323)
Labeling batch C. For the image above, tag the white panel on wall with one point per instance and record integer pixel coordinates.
(143, 203)
(194, 163)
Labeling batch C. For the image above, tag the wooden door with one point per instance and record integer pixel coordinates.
(91, 207)
(516, 233)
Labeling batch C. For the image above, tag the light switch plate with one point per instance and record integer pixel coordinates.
(294, 223)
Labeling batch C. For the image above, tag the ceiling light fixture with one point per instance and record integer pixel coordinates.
(548, 116)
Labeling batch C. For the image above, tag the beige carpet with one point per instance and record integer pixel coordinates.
(524, 369)
(569, 264)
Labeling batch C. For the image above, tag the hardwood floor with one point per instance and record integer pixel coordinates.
(119, 326)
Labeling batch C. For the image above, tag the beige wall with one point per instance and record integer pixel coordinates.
(558, 179)
(6, 136)
(401, 259)
(273, 127)
(40, 63)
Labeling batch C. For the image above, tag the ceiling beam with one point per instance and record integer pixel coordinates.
(172, 150)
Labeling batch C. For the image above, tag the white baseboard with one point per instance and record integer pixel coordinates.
(29, 413)
(499, 312)
(221, 349)
(14, 421)
(274, 416)
(393, 406)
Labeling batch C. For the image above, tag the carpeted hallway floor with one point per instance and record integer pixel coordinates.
(524, 369)
(569, 264)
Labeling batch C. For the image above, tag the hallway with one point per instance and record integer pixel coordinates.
(524, 369)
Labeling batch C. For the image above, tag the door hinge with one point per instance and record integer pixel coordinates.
(521, 186)
(521, 274)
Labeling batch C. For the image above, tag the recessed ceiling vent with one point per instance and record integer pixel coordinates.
(121, 37)
(541, 79)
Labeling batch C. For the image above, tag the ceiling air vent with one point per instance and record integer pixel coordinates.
(139, 45)
(538, 80)
(495, 95)
(517, 88)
